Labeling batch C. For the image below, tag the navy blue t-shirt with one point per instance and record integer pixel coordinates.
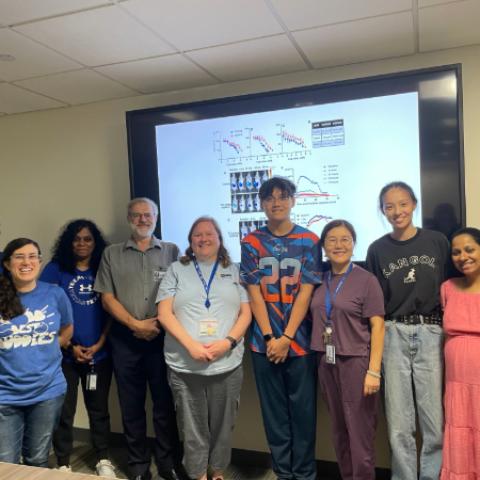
(88, 315)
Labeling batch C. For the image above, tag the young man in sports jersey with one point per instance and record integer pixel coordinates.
(280, 266)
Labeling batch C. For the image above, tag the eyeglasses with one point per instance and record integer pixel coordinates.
(136, 215)
(272, 199)
(20, 257)
(343, 241)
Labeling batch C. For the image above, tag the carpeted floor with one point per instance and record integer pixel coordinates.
(83, 461)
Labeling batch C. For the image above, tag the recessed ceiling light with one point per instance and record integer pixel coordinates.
(6, 57)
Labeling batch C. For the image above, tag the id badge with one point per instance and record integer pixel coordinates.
(208, 327)
(327, 336)
(330, 353)
(91, 381)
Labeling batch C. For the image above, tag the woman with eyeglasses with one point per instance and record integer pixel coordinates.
(75, 259)
(348, 329)
(410, 263)
(35, 321)
(205, 312)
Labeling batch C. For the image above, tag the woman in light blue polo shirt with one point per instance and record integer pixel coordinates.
(205, 312)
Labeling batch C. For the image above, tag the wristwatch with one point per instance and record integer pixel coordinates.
(268, 337)
(233, 342)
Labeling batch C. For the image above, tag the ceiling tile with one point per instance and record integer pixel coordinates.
(191, 24)
(97, 37)
(81, 86)
(362, 40)
(429, 3)
(172, 72)
(461, 29)
(32, 59)
(16, 100)
(255, 58)
(17, 11)
(301, 14)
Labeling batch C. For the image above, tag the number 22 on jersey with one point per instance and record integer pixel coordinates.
(287, 270)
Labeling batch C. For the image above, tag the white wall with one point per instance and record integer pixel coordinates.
(61, 164)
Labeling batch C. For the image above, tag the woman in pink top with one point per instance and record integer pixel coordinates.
(461, 321)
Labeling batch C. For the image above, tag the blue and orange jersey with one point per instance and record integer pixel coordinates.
(280, 265)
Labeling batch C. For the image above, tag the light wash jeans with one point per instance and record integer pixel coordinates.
(413, 376)
(27, 431)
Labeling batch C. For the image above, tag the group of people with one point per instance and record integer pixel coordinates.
(177, 326)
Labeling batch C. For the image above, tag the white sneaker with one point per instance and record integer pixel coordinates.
(105, 468)
(65, 468)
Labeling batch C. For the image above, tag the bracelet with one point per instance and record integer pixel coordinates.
(374, 374)
(287, 336)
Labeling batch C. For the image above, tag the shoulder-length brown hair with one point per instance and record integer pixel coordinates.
(223, 256)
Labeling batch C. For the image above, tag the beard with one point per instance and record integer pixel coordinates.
(142, 231)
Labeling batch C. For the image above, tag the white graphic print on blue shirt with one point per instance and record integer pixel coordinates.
(30, 357)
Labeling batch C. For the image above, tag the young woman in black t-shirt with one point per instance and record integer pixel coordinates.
(410, 264)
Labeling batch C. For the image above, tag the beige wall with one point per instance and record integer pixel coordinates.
(61, 164)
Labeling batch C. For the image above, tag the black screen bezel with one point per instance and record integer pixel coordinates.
(440, 120)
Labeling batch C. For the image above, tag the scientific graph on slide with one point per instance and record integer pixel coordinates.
(318, 218)
(235, 146)
(322, 149)
(245, 152)
(309, 192)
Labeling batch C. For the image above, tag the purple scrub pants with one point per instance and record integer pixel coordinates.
(354, 417)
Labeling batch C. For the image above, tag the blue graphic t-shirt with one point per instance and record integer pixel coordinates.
(30, 357)
(88, 315)
(280, 265)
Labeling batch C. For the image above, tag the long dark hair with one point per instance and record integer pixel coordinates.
(10, 305)
(223, 256)
(62, 251)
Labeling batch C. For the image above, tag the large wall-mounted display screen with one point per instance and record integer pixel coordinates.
(338, 143)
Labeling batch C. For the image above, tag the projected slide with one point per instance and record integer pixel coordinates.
(339, 156)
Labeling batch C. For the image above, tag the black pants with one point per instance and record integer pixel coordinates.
(138, 363)
(96, 403)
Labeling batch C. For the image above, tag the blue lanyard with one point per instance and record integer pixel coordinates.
(202, 279)
(329, 298)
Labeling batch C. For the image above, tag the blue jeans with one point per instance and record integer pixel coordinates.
(413, 376)
(27, 431)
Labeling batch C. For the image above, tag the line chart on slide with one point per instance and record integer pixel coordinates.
(237, 146)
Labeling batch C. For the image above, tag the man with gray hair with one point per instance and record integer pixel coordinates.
(128, 279)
